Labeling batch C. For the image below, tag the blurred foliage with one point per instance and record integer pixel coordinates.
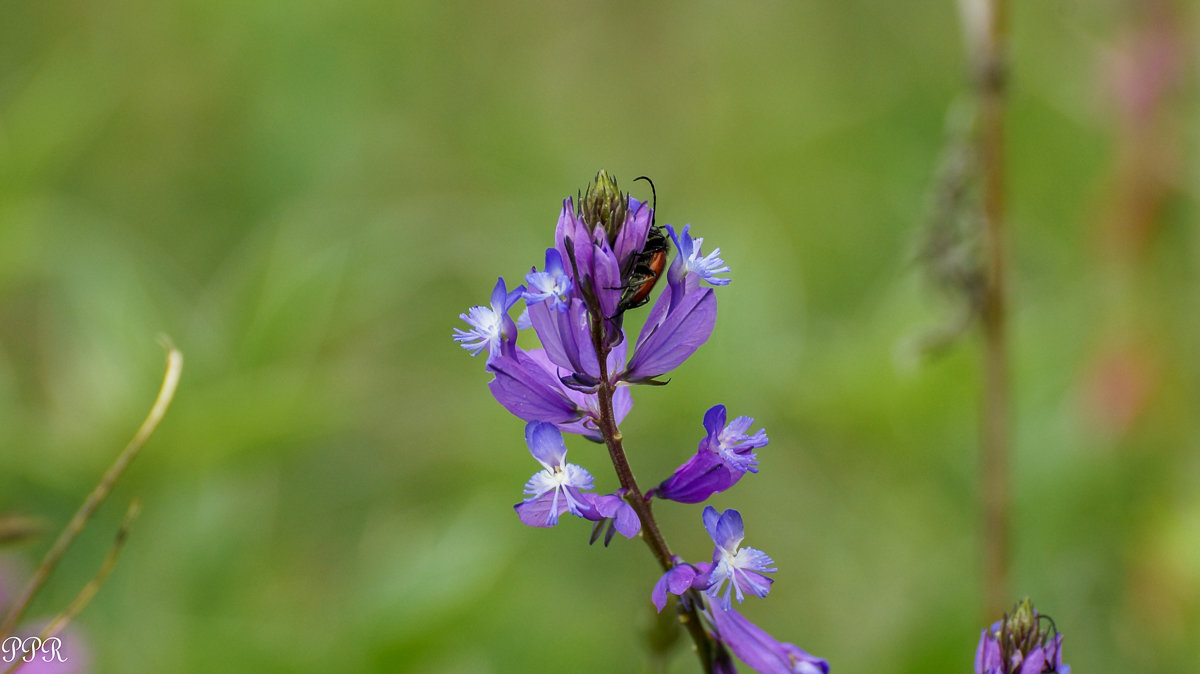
(305, 195)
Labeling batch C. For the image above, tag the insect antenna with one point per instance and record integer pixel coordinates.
(653, 198)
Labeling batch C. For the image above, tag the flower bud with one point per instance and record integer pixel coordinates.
(1018, 645)
(604, 205)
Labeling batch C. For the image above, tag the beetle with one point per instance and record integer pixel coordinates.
(646, 267)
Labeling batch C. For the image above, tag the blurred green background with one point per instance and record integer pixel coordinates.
(305, 195)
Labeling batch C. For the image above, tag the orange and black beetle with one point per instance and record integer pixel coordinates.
(644, 268)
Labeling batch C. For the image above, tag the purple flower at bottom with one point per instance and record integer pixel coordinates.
(724, 456)
(742, 568)
(559, 487)
(760, 650)
(1018, 645)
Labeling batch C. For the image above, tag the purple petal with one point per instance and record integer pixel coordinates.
(632, 237)
(546, 444)
(612, 506)
(714, 421)
(565, 336)
(587, 404)
(501, 299)
(627, 521)
(759, 650)
(676, 581)
(729, 532)
(987, 656)
(573, 229)
(710, 516)
(542, 511)
(703, 475)
(609, 283)
(1034, 663)
(663, 345)
(529, 391)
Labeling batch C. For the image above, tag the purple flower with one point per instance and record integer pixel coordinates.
(706, 267)
(620, 516)
(680, 321)
(567, 338)
(527, 384)
(490, 326)
(525, 387)
(734, 569)
(588, 257)
(559, 486)
(681, 578)
(551, 285)
(760, 650)
(724, 456)
(1018, 645)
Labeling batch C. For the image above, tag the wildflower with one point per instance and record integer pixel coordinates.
(724, 456)
(742, 568)
(681, 578)
(490, 326)
(550, 285)
(706, 267)
(612, 511)
(733, 570)
(525, 385)
(1018, 645)
(559, 487)
(679, 323)
(759, 650)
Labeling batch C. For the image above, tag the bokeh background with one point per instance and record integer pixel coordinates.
(305, 195)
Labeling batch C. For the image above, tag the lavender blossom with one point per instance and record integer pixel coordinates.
(491, 325)
(678, 580)
(724, 456)
(742, 568)
(1018, 645)
(760, 650)
(608, 258)
(613, 511)
(559, 486)
(526, 386)
(679, 323)
(706, 267)
(551, 285)
(733, 570)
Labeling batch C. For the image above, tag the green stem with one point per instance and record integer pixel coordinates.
(165, 393)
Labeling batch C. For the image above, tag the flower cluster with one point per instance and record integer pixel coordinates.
(1018, 645)
(608, 257)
